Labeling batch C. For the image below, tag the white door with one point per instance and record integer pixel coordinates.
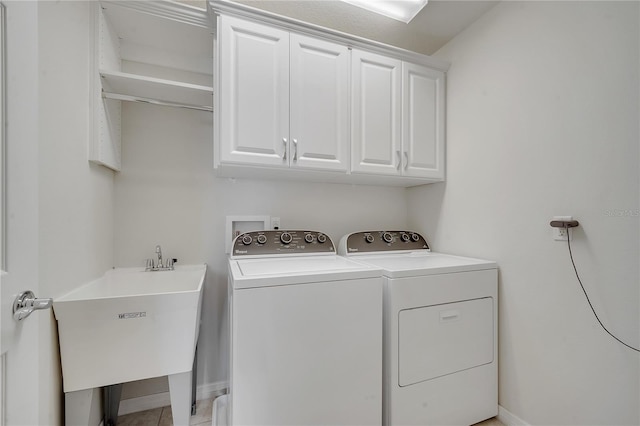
(377, 114)
(254, 93)
(20, 399)
(319, 104)
(423, 122)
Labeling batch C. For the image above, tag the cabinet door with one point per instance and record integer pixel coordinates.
(254, 93)
(319, 104)
(376, 114)
(423, 122)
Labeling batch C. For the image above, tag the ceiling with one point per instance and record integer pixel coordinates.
(433, 27)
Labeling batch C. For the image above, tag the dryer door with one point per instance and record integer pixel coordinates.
(443, 339)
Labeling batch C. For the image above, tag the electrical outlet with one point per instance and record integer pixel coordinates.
(562, 234)
(275, 223)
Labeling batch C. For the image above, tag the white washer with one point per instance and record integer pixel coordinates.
(440, 330)
(306, 333)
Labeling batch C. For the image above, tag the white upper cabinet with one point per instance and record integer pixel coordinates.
(319, 104)
(423, 122)
(254, 93)
(377, 121)
(398, 118)
(283, 98)
(298, 101)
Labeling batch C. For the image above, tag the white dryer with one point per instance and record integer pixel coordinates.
(306, 333)
(440, 330)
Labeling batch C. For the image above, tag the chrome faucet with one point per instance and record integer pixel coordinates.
(159, 253)
(151, 266)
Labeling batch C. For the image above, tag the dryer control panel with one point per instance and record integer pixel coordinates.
(381, 241)
(281, 242)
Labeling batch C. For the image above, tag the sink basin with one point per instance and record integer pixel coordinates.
(129, 325)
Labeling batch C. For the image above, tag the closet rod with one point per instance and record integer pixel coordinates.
(119, 97)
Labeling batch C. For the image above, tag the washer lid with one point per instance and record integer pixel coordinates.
(267, 272)
(424, 263)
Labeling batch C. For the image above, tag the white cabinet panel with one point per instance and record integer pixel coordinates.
(376, 132)
(319, 104)
(423, 121)
(437, 340)
(254, 94)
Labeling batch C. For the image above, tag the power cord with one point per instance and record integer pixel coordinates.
(587, 296)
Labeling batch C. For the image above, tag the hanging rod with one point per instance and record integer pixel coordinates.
(119, 97)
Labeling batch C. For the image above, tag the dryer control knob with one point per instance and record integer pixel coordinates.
(405, 237)
(262, 239)
(286, 238)
(415, 237)
(369, 238)
(387, 237)
(308, 238)
(322, 238)
(246, 240)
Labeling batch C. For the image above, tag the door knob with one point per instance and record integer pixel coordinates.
(26, 302)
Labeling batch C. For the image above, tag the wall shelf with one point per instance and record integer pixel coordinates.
(132, 87)
(156, 40)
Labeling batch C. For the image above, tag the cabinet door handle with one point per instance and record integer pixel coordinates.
(406, 160)
(399, 160)
(295, 149)
(284, 155)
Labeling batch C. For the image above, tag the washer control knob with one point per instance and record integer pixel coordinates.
(308, 238)
(286, 238)
(322, 238)
(387, 237)
(246, 239)
(405, 237)
(262, 239)
(415, 237)
(369, 238)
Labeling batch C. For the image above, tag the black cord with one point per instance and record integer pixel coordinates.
(587, 296)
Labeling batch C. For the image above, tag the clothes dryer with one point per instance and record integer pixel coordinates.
(440, 330)
(306, 333)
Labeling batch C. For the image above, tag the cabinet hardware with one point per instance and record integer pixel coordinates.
(284, 155)
(295, 150)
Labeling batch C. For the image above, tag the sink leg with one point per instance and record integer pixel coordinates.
(83, 407)
(111, 403)
(194, 375)
(180, 393)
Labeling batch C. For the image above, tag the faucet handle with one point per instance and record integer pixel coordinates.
(149, 264)
(169, 264)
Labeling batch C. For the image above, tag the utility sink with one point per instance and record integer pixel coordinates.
(130, 325)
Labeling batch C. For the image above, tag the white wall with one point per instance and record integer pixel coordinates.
(21, 198)
(543, 120)
(167, 194)
(75, 197)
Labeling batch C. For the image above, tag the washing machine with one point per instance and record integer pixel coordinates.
(440, 330)
(306, 333)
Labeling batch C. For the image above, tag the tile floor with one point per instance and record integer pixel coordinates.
(162, 417)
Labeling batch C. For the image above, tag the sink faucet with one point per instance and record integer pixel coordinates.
(168, 264)
(159, 253)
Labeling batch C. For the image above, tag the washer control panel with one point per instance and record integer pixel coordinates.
(380, 241)
(281, 242)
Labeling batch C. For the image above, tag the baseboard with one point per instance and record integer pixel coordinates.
(163, 399)
(509, 419)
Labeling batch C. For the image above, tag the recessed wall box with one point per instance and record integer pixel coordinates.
(237, 225)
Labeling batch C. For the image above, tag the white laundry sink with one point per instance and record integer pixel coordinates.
(129, 325)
